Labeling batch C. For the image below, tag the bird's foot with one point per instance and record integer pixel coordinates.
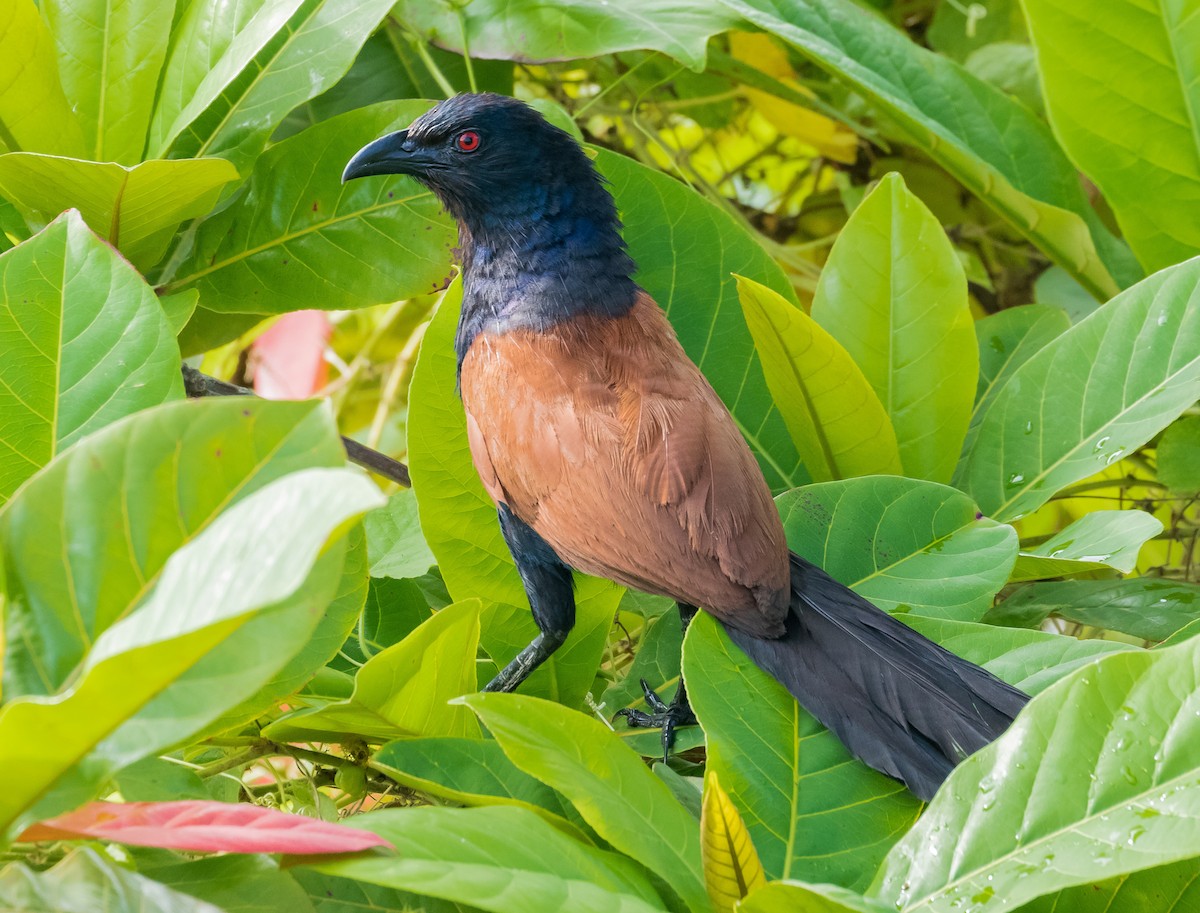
(668, 717)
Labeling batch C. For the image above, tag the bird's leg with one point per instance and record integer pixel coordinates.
(667, 716)
(549, 586)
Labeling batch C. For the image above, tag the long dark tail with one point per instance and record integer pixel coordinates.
(896, 699)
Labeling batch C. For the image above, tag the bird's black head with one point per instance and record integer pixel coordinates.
(485, 156)
(538, 229)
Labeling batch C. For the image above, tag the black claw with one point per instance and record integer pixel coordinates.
(666, 716)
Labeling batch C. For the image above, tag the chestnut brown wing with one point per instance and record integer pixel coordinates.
(601, 435)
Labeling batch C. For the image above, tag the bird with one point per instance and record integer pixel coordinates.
(606, 451)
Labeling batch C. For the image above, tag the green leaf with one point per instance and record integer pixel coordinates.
(89, 882)
(332, 246)
(1100, 539)
(88, 538)
(1031, 660)
(1098, 774)
(335, 622)
(110, 54)
(465, 771)
(907, 545)
(688, 251)
(1179, 455)
(136, 209)
(85, 344)
(894, 295)
(812, 810)
(1006, 341)
(1090, 396)
(179, 308)
(236, 883)
(136, 693)
(34, 113)
(1149, 608)
(394, 540)
(835, 419)
(498, 859)
(526, 30)
(609, 785)
(460, 525)
(234, 118)
(211, 44)
(1151, 186)
(341, 895)
(793, 896)
(393, 610)
(404, 690)
(1173, 888)
(995, 146)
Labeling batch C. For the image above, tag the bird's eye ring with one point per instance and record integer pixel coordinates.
(467, 142)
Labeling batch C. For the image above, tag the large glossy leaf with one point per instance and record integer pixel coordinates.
(87, 881)
(88, 538)
(1147, 607)
(497, 859)
(110, 53)
(994, 145)
(894, 295)
(608, 783)
(464, 771)
(211, 44)
(1093, 394)
(136, 209)
(236, 883)
(1140, 147)
(907, 545)
(688, 251)
(1006, 341)
(835, 419)
(85, 343)
(813, 812)
(1099, 774)
(330, 894)
(133, 696)
(34, 113)
(459, 522)
(1099, 539)
(1031, 660)
(528, 30)
(405, 689)
(299, 61)
(331, 245)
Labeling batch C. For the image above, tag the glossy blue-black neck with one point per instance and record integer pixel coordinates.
(549, 253)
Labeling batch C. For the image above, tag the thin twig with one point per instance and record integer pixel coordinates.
(198, 384)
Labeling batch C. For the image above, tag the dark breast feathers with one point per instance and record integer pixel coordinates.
(602, 436)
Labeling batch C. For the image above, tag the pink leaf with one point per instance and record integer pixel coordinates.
(288, 360)
(203, 826)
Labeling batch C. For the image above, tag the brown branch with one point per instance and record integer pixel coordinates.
(197, 384)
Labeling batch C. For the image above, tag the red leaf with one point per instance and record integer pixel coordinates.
(203, 826)
(288, 360)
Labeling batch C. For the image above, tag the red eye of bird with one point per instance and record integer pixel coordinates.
(467, 142)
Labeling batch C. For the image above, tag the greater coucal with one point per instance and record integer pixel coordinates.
(607, 451)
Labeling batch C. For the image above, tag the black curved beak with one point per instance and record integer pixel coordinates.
(391, 154)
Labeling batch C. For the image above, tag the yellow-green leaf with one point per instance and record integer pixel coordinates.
(894, 294)
(836, 421)
(731, 865)
(34, 113)
(136, 209)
